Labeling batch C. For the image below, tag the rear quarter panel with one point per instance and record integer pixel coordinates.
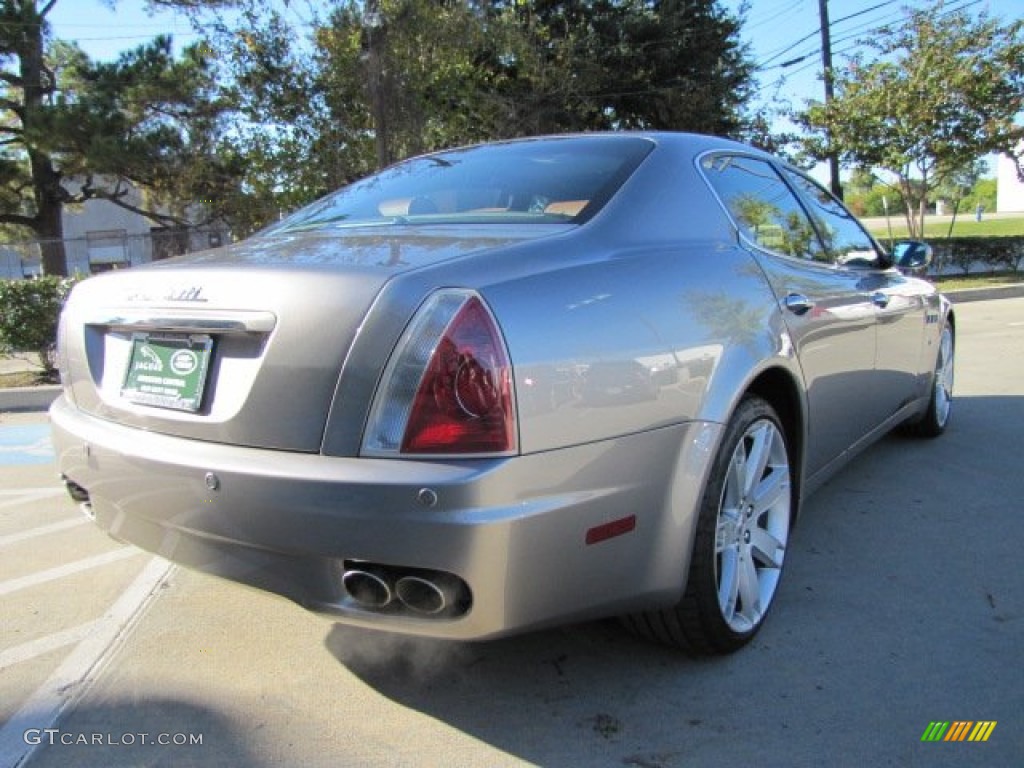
(637, 341)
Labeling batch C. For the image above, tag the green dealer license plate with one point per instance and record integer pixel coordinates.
(168, 371)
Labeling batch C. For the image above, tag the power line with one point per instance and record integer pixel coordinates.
(803, 57)
(856, 33)
(777, 15)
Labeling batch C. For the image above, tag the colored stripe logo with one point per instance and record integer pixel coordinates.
(959, 730)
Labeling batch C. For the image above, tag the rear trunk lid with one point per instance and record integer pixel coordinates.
(243, 345)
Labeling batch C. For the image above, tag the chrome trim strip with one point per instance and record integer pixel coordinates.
(233, 321)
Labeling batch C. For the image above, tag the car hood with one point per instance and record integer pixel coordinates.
(279, 314)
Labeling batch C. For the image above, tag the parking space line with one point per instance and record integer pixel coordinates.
(43, 645)
(51, 574)
(82, 666)
(43, 530)
(25, 495)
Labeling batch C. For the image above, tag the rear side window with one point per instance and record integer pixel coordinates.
(763, 206)
(845, 240)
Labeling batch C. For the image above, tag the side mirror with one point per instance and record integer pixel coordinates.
(912, 257)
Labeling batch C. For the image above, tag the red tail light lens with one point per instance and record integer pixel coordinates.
(448, 388)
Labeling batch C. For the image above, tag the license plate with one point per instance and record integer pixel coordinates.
(167, 370)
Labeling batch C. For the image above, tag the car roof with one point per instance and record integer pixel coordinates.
(692, 143)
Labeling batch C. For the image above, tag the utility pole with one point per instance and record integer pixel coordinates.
(826, 63)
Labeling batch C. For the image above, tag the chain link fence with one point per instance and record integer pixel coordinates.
(104, 250)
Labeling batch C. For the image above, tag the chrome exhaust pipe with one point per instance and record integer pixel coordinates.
(429, 595)
(75, 491)
(80, 496)
(368, 588)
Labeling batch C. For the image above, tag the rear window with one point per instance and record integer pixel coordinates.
(541, 180)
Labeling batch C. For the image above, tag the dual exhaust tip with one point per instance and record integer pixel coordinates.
(80, 496)
(427, 593)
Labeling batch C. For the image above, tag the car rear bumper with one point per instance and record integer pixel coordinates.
(538, 539)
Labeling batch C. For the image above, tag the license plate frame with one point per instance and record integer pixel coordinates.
(168, 370)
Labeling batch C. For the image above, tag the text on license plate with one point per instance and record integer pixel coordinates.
(167, 370)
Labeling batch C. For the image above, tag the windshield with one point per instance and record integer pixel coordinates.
(542, 180)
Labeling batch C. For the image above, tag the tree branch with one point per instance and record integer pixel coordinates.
(12, 106)
(18, 219)
(11, 79)
(159, 218)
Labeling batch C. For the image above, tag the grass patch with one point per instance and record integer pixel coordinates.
(24, 379)
(977, 280)
(965, 226)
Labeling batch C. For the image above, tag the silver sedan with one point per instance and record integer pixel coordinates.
(502, 387)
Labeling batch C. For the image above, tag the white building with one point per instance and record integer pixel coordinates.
(99, 235)
(1009, 187)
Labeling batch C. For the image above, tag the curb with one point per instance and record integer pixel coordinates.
(28, 398)
(39, 398)
(985, 294)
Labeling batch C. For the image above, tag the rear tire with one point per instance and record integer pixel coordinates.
(740, 543)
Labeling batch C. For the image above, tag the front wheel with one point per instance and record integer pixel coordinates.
(740, 544)
(933, 421)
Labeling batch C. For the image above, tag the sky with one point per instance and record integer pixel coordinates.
(103, 33)
(785, 39)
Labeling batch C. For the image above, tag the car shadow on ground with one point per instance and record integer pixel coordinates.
(558, 697)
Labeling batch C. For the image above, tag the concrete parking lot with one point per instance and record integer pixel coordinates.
(902, 605)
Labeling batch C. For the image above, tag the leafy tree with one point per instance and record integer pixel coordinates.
(74, 130)
(301, 121)
(943, 90)
(957, 185)
(622, 64)
(983, 193)
(866, 196)
(363, 84)
(426, 74)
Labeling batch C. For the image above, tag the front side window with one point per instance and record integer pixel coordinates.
(845, 240)
(532, 181)
(763, 206)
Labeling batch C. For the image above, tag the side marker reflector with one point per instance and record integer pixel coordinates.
(611, 530)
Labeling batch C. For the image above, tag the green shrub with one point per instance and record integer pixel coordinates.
(972, 254)
(29, 313)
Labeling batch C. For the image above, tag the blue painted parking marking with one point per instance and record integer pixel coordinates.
(25, 444)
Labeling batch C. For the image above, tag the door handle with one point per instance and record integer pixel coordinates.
(798, 304)
(880, 299)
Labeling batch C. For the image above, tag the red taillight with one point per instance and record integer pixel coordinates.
(464, 401)
(448, 387)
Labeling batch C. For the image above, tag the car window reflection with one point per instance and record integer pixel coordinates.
(846, 242)
(763, 207)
